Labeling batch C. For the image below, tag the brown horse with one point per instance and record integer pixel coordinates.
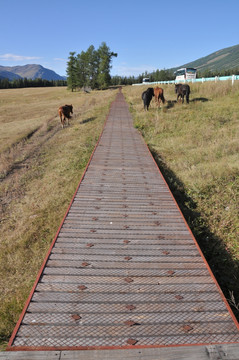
(64, 113)
(158, 94)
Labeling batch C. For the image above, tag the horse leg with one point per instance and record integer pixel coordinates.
(63, 121)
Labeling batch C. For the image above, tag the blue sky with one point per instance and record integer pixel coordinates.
(147, 35)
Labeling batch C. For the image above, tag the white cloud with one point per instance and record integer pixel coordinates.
(13, 57)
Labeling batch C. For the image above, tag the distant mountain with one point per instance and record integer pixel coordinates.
(225, 59)
(31, 71)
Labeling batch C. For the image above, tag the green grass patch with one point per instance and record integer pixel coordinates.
(196, 147)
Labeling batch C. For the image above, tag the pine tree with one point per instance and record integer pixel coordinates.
(72, 72)
(93, 66)
(105, 57)
(81, 69)
(90, 68)
(87, 68)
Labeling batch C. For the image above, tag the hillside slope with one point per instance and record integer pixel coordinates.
(224, 59)
(8, 75)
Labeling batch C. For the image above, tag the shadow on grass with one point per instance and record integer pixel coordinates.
(223, 266)
(171, 103)
(202, 99)
(88, 120)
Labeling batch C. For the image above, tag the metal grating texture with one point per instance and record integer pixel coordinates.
(125, 269)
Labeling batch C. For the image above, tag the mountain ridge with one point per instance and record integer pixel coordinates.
(29, 71)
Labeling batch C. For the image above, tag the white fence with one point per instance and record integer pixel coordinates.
(232, 78)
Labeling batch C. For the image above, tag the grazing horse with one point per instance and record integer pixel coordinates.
(64, 113)
(182, 90)
(158, 94)
(147, 97)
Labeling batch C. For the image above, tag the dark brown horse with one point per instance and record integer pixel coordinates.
(65, 112)
(182, 90)
(158, 94)
(147, 97)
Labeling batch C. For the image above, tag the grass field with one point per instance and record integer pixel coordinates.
(41, 166)
(196, 147)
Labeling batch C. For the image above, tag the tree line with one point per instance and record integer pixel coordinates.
(90, 68)
(24, 83)
(167, 75)
(158, 75)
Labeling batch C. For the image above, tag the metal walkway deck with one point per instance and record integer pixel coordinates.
(124, 270)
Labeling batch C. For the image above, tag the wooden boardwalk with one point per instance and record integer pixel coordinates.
(124, 271)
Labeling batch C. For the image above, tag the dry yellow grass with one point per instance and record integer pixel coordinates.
(39, 177)
(23, 110)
